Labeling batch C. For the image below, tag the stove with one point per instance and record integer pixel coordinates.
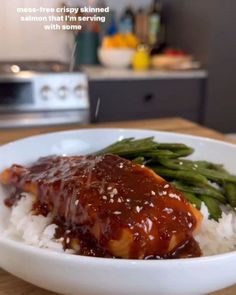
(42, 93)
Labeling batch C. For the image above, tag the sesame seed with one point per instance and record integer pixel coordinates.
(109, 188)
(119, 200)
(111, 201)
(67, 240)
(104, 197)
(68, 231)
(174, 196)
(76, 202)
(138, 209)
(128, 200)
(168, 210)
(153, 193)
(151, 205)
(142, 166)
(121, 165)
(164, 193)
(166, 185)
(117, 212)
(113, 192)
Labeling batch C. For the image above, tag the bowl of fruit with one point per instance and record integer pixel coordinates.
(117, 51)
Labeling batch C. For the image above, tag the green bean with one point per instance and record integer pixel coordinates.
(212, 206)
(139, 160)
(167, 154)
(159, 154)
(208, 191)
(230, 192)
(130, 146)
(114, 146)
(184, 152)
(183, 163)
(213, 175)
(193, 200)
(209, 165)
(172, 146)
(216, 176)
(189, 177)
(176, 164)
(133, 148)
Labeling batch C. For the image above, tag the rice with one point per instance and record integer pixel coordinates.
(37, 230)
(217, 237)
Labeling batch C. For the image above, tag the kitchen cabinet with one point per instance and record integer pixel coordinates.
(134, 99)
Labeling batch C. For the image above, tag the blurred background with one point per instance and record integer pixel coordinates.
(149, 59)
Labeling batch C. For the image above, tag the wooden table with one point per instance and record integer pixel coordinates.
(9, 285)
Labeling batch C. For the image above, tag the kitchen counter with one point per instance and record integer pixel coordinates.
(98, 73)
(10, 285)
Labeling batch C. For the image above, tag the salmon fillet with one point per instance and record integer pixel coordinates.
(109, 205)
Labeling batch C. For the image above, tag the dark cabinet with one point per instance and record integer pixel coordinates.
(142, 99)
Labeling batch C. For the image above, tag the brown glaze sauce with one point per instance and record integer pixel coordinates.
(95, 198)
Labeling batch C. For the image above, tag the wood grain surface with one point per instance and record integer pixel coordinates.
(10, 285)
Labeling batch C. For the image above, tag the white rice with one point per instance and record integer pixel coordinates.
(214, 237)
(35, 230)
(217, 237)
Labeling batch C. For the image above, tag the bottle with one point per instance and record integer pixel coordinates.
(141, 25)
(160, 44)
(154, 22)
(112, 28)
(141, 59)
(127, 21)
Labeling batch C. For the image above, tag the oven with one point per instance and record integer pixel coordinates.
(42, 97)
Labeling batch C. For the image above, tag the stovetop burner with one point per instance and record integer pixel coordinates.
(14, 67)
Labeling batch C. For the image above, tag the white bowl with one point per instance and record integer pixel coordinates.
(74, 274)
(116, 57)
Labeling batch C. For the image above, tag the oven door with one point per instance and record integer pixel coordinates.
(15, 95)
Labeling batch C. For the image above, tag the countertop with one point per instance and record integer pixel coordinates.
(99, 73)
(10, 285)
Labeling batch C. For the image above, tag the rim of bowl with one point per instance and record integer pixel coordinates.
(120, 130)
(21, 246)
